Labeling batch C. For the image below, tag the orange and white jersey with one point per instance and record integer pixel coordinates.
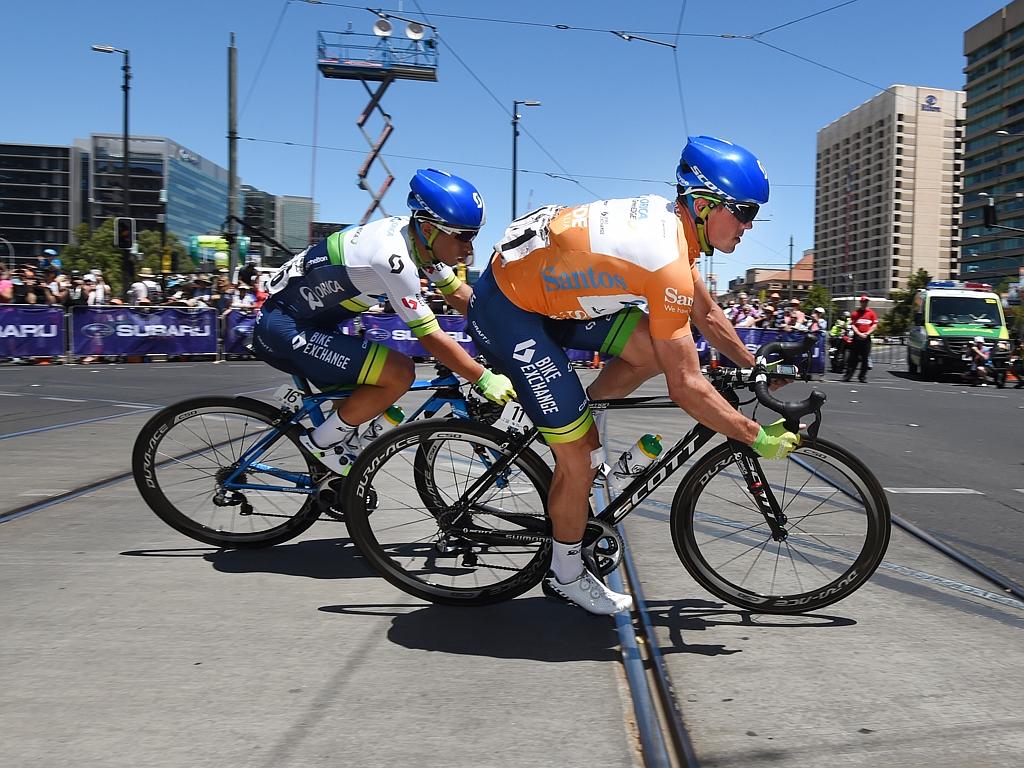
(593, 260)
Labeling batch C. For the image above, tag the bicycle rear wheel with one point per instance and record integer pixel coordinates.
(185, 453)
(402, 509)
(836, 522)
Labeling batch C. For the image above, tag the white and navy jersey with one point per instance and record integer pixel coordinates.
(354, 269)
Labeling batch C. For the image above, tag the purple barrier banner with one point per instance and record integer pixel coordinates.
(238, 325)
(390, 331)
(30, 331)
(753, 338)
(143, 331)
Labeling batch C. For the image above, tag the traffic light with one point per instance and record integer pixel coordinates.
(989, 214)
(124, 233)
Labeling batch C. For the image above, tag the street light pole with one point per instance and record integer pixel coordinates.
(127, 265)
(515, 142)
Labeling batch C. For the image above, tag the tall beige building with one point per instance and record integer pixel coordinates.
(887, 191)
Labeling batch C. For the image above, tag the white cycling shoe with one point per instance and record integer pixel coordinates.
(590, 594)
(338, 457)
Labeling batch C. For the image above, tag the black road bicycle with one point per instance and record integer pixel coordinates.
(455, 512)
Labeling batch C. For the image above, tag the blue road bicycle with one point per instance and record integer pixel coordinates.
(229, 471)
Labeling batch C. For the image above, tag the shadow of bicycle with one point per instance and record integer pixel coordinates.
(530, 628)
(336, 558)
(684, 618)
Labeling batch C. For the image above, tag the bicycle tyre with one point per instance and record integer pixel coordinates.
(424, 441)
(147, 464)
(861, 487)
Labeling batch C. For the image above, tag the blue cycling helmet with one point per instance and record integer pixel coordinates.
(441, 197)
(722, 169)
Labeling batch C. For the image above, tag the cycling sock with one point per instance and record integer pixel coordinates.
(566, 561)
(333, 431)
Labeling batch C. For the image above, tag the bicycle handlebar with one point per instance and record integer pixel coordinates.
(791, 410)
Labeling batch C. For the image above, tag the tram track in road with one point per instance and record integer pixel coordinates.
(661, 729)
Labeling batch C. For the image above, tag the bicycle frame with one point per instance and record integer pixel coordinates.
(648, 481)
(447, 394)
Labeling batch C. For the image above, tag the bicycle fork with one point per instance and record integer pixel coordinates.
(760, 490)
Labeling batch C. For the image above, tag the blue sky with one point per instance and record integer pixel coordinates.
(611, 108)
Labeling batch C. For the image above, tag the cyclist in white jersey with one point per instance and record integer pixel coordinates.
(354, 269)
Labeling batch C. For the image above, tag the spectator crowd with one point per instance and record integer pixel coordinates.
(775, 313)
(48, 284)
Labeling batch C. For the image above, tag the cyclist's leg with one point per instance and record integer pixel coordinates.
(520, 344)
(332, 360)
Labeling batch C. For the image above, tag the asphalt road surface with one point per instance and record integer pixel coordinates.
(128, 644)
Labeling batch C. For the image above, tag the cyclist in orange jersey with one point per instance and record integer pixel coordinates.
(576, 277)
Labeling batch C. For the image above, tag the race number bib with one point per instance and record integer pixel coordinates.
(294, 267)
(526, 234)
(513, 418)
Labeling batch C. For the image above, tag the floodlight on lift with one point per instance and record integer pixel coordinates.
(382, 28)
(414, 30)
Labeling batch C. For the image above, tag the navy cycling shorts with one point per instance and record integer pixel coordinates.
(329, 358)
(529, 348)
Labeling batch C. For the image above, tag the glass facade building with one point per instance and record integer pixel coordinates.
(40, 199)
(170, 185)
(994, 155)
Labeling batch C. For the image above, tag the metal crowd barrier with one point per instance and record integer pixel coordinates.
(30, 331)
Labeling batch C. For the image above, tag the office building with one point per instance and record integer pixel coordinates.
(887, 198)
(322, 229)
(294, 217)
(170, 185)
(259, 209)
(994, 152)
(40, 199)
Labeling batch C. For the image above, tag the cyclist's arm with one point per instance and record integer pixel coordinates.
(715, 326)
(459, 300)
(695, 395)
(447, 351)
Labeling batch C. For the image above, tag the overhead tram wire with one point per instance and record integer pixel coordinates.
(263, 60)
(514, 22)
(804, 18)
(679, 76)
(501, 106)
(441, 161)
(549, 174)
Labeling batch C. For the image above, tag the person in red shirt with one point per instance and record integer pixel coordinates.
(864, 321)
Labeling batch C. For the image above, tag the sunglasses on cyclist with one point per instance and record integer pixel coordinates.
(744, 212)
(462, 235)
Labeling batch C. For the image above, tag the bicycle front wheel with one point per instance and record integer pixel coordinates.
(183, 459)
(835, 529)
(405, 510)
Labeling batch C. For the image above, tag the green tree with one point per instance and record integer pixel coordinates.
(151, 251)
(818, 296)
(95, 249)
(898, 320)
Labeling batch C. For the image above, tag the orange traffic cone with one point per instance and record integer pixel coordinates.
(596, 362)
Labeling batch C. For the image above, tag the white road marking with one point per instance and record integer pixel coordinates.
(63, 399)
(10, 394)
(127, 405)
(903, 389)
(50, 492)
(934, 490)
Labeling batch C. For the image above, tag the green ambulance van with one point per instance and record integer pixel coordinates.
(947, 315)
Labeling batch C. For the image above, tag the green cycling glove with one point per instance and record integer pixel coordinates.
(495, 387)
(775, 441)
